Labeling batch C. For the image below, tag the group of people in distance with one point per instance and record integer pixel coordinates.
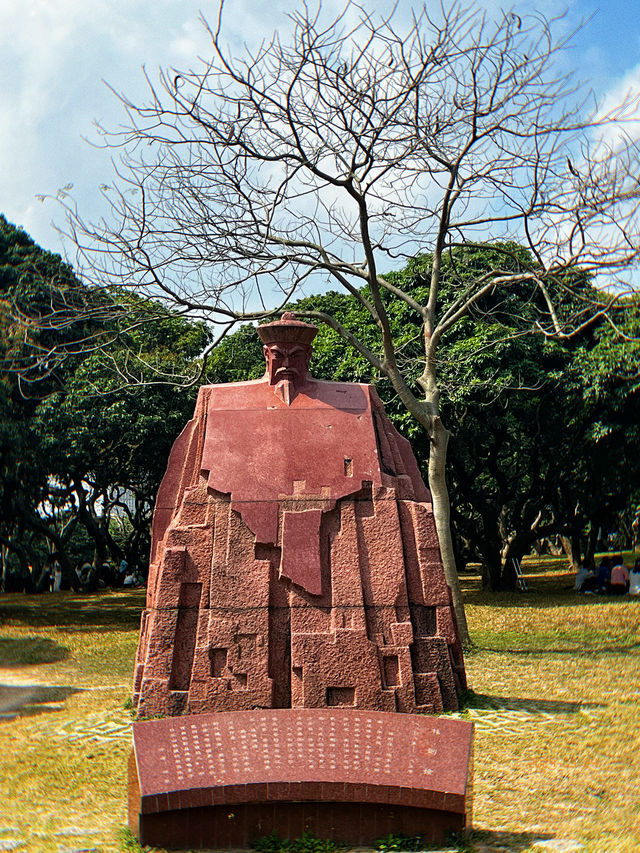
(107, 576)
(611, 577)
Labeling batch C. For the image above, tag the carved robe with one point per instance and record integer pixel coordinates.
(295, 562)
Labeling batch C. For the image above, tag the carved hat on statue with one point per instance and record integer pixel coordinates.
(287, 330)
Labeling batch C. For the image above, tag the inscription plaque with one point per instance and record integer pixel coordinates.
(413, 770)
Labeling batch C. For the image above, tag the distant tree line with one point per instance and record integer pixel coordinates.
(546, 442)
(545, 450)
(82, 446)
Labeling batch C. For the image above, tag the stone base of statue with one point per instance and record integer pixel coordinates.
(224, 780)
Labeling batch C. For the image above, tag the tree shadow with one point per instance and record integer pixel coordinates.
(536, 706)
(543, 592)
(112, 610)
(28, 651)
(583, 651)
(500, 840)
(30, 699)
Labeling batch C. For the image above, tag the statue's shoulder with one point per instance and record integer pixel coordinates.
(231, 385)
(365, 388)
(228, 394)
(352, 395)
(324, 382)
(230, 388)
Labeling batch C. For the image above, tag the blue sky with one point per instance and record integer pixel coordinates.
(55, 54)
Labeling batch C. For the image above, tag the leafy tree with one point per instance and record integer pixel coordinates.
(605, 380)
(531, 456)
(33, 285)
(107, 440)
(79, 443)
(352, 145)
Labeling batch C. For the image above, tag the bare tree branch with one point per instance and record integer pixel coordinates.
(350, 146)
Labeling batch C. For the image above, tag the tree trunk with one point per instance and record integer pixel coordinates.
(4, 553)
(492, 572)
(491, 561)
(43, 584)
(441, 511)
(508, 580)
(592, 543)
(555, 546)
(69, 576)
(571, 547)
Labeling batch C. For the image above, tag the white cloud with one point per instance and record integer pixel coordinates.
(621, 100)
(55, 53)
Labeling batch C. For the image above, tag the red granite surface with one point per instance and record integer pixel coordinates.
(348, 775)
(295, 562)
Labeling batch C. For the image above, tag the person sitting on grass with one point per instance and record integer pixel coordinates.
(619, 582)
(586, 576)
(122, 572)
(634, 578)
(604, 575)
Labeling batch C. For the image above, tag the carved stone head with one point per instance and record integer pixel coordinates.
(287, 351)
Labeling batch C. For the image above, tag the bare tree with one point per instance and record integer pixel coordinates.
(337, 154)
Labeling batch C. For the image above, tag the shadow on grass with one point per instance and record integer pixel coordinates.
(30, 699)
(498, 840)
(536, 706)
(583, 651)
(542, 599)
(544, 591)
(26, 651)
(486, 840)
(115, 610)
(578, 640)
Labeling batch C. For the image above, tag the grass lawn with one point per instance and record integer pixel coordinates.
(555, 699)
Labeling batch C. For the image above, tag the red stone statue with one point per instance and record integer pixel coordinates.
(294, 560)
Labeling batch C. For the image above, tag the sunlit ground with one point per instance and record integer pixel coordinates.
(555, 700)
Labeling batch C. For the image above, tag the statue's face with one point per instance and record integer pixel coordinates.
(287, 361)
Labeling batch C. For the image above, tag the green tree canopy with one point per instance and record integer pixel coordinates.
(545, 428)
(79, 443)
(361, 140)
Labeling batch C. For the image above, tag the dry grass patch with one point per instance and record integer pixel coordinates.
(555, 702)
(65, 662)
